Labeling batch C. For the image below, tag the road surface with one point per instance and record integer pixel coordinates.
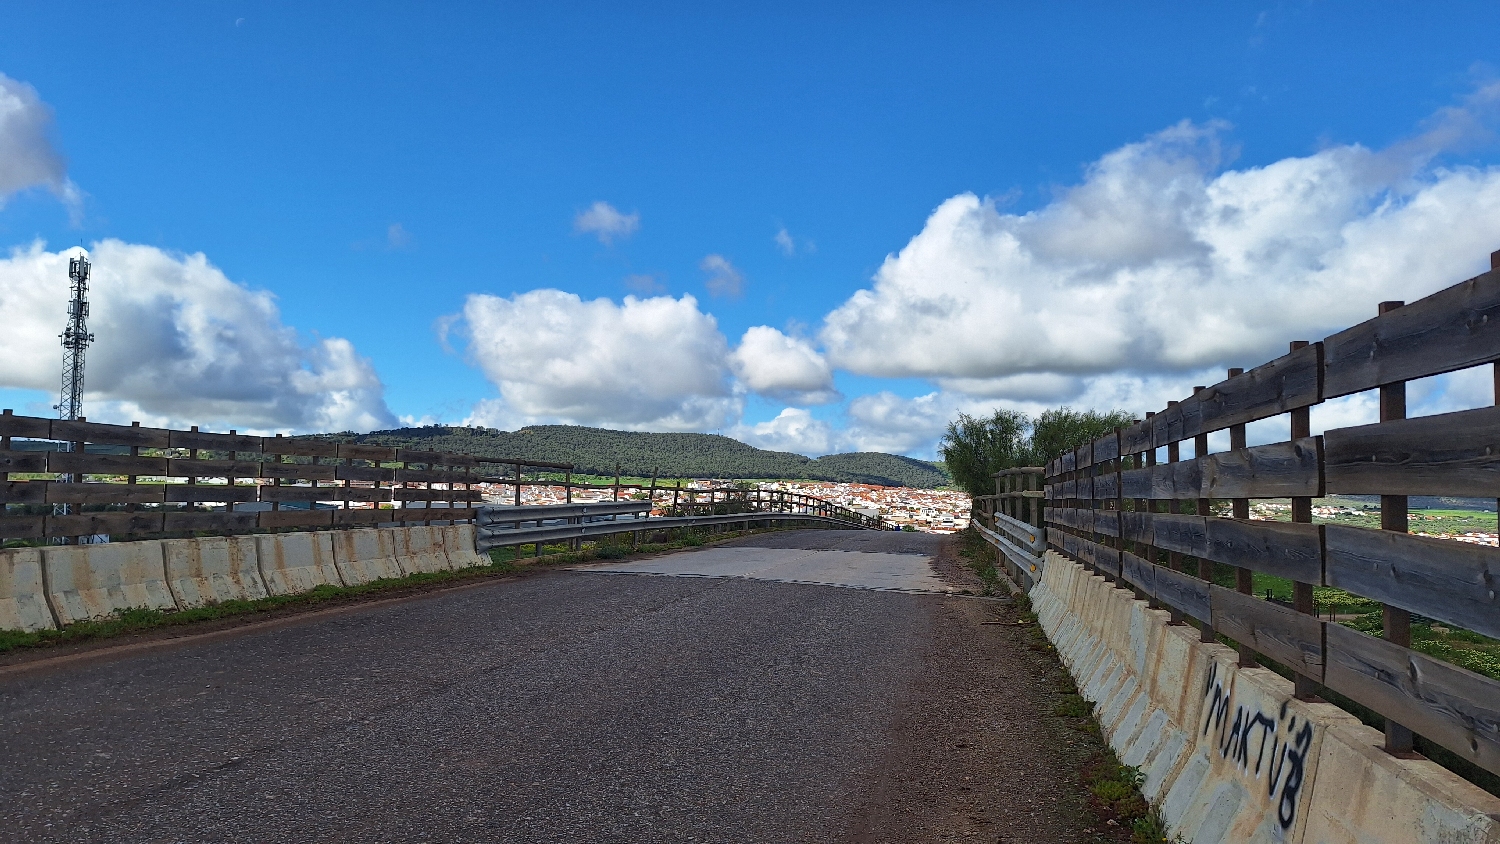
(562, 706)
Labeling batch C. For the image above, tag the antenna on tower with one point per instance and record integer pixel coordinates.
(75, 340)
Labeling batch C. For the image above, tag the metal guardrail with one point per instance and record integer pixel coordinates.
(487, 538)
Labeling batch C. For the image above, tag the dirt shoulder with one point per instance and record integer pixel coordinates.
(979, 750)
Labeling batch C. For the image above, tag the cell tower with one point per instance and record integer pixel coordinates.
(75, 340)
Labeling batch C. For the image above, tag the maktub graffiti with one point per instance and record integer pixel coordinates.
(1276, 745)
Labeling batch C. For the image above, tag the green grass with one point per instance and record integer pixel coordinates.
(503, 561)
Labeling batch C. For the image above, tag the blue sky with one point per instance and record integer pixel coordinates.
(381, 170)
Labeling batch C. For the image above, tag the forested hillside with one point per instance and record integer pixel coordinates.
(596, 451)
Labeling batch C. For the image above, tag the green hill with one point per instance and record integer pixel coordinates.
(595, 451)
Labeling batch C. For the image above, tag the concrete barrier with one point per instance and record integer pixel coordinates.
(93, 581)
(292, 563)
(458, 544)
(23, 602)
(420, 548)
(212, 569)
(365, 555)
(1228, 753)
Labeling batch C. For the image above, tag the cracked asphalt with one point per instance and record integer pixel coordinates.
(555, 707)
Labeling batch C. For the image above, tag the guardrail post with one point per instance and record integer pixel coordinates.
(1396, 622)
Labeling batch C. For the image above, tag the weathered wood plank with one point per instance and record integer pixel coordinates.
(101, 493)
(1068, 461)
(361, 517)
(1135, 526)
(1136, 438)
(298, 471)
(193, 493)
(1107, 522)
(1138, 572)
(1454, 454)
(185, 468)
(23, 461)
(1183, 592)
(205, 441)
(296, 518)
(1070, 546)
(1176, 532)
(22, 527)
(373, 453)
(1451, 706)
(363, 473)
(1167, 426)
(1454, 582)
(299, 447)
(1451, 329)
(421, 476)
(1282, 549)
(104, 464)
(1281, 633)
(1083, 456)
(95, 432)
(1291, 381)
(1107, 486)
(23, 492)
(88, 524)
(1106, 448)
(1265, 471)
(232, 522)
(25, 426)
(1106, 559)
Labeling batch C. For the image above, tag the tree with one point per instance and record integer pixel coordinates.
(975, 448)
(1062, 429)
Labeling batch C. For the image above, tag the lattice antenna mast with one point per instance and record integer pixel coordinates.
(75, 340)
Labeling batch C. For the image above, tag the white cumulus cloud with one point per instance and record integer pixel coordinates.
(180, 343)
(658, 363)
(1163, 263)
(783, 368)
(794, 429)
(606, 222)
(27, 155)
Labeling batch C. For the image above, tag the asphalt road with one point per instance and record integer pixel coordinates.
(561, 706)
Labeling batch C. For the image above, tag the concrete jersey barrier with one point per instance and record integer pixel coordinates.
(213, 569)
(292, 563)
(1229, 754)
(94, 581)
(420, 549)
(458, 544)
(23, 602)
(366, 555)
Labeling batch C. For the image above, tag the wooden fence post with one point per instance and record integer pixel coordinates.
(1302, 593)
(1205, 508)
(1396, 622)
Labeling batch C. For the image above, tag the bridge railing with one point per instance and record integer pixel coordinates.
(1011, 520)
(62, 479)
(1135, 507)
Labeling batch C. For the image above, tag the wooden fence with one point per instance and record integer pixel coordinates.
(1133, 509)
(86, 478)
(70, 479)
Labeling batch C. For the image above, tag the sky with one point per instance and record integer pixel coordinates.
(813, 227)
